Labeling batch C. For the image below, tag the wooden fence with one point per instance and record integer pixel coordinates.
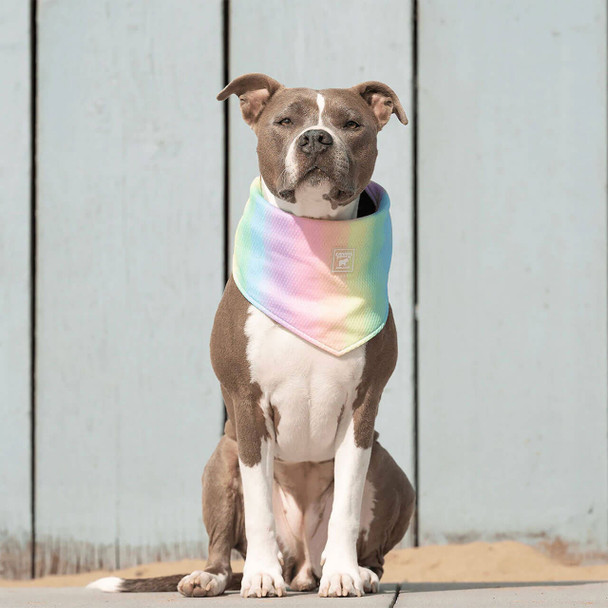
(116, 214)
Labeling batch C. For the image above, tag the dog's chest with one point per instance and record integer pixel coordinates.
(307, 392)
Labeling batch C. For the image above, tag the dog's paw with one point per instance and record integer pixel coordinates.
(370, 580)
(340, 582)
(262, 584)
(201, 584)
(304, 580)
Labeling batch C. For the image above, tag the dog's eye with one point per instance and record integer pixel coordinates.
(285, 121)
(351, 124)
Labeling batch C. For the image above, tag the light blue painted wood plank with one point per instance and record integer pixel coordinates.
(513, 271)
(15, 333)
(130, 273)
(326, 44)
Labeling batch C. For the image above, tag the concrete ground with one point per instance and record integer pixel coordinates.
(408, 595)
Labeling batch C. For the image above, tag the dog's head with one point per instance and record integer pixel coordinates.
(324, 139)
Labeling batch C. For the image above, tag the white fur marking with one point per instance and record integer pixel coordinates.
(340, 570)
(262, 573)
(321, 106)
(308, 386)
(109, 584)
(311, 203)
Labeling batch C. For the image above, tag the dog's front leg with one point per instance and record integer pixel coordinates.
(341, 576)
(262, 573)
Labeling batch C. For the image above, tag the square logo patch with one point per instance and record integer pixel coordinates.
(343, 260)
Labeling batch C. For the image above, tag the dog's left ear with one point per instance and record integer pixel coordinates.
(382, 100)
(253, 91)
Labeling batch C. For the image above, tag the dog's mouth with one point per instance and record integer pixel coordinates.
(339, 193)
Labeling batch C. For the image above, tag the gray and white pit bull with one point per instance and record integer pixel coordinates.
(299, 484)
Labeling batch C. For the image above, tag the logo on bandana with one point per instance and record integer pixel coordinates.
(343, 260)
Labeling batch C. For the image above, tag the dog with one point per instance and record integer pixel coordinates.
(298, 483)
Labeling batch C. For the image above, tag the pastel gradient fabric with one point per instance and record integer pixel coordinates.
(324, 280)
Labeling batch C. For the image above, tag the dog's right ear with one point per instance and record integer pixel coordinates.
(254, 91)
(382, 100)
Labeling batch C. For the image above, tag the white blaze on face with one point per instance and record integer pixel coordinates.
(321, 106)
(290, 159)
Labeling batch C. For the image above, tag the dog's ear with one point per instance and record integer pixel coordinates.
(382, 100)
(253, 91)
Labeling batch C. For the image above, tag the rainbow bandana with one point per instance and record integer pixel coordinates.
(324, 280)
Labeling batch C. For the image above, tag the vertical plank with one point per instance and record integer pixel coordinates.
(130, 273)
(15, 334)
(513, 271)
(326, 50)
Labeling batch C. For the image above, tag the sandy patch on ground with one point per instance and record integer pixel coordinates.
(474, 562)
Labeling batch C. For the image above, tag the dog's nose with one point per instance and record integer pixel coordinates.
(314, 140)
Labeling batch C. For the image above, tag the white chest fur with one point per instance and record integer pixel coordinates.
(311, 390)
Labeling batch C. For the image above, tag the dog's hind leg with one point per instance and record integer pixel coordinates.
(224, 520)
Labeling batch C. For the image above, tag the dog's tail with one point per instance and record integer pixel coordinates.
(114, 584)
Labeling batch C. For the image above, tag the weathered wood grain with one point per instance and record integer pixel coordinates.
(15, 336)
(130, 273)
(513, 272)
(320, 45)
